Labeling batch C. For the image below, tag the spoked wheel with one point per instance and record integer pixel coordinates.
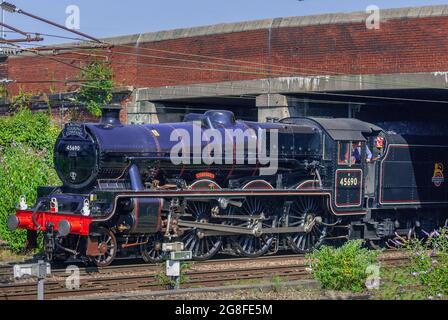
(202, 246)
(259, 210)
(195, 240)
(152, 250)
(306, 212)
(107, 246)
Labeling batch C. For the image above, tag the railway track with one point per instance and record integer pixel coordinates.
(6, 271)
(143, 277)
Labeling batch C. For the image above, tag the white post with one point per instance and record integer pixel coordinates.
(41, 275)
(40, 270)
(40, 289)
(173, 271)
(173, 262)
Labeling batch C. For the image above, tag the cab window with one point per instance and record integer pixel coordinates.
(328, 147)
(344, 153)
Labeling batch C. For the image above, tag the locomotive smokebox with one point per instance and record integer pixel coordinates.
(111, 115)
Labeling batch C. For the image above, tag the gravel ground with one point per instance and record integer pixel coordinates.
(247, 264)
(305, 291)
(298, 293)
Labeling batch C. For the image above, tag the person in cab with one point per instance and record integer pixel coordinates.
(357, 153)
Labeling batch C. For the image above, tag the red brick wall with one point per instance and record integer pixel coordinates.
(39, 69)
(400, 46)
(81, 115)
(3, 69)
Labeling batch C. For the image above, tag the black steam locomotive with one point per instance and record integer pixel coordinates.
(223, 185)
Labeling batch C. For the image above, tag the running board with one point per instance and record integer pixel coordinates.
(226, 229)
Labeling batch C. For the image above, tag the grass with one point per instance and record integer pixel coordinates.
(277, 283)
(7, 255)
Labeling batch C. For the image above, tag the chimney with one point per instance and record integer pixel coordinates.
(111, 115)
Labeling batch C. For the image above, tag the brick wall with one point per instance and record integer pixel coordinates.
(78, 115)
(404, 45)
(3, 68)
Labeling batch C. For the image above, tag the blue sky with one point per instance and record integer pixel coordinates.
(103, 18)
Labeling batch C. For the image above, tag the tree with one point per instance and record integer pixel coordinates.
(97, 90)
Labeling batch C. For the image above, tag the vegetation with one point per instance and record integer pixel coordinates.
(32, 129)
(343, 268)
(97, 91)
(278, 283)
(26, 162)
(169, 281)
(426, 277)
(7, 255)
(22, 100)
(3, 92)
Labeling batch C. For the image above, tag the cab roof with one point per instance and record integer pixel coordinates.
(341, 129)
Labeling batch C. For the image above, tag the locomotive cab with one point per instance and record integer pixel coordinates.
(349, 159)
(356, 169)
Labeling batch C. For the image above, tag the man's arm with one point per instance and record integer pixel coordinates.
(369, 153)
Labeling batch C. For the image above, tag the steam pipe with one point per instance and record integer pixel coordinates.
(33, 216)
(136, 180)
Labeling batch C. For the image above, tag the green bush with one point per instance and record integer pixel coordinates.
(26, 162)
(32, 129)
(343, 268)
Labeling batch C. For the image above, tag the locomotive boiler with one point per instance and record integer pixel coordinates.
(223, 185)
(88, 153)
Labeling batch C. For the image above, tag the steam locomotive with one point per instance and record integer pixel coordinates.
(223, 185)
